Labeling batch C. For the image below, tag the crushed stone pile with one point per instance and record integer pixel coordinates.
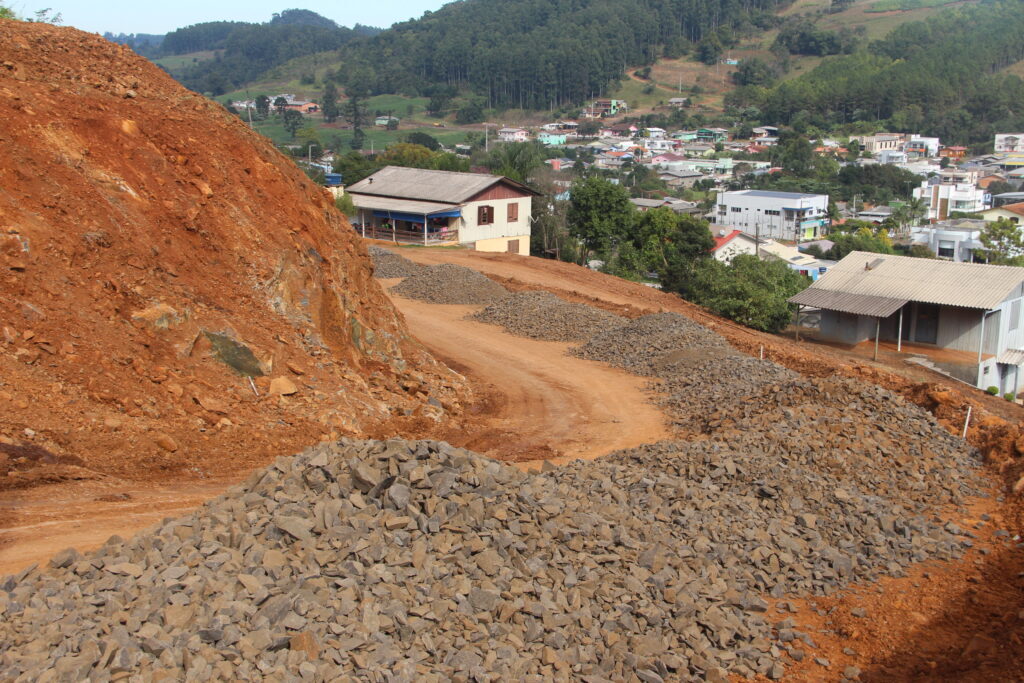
(388, 264)
(699, 382)
(641, 345)
(447, 283)
(404, 561)
(542, 315)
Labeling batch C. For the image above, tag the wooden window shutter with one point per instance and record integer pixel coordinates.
(513, 212)
(485, 215)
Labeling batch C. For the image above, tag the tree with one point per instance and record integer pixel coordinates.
(600, 213)
(309, 138)
(291, 121)
(354, 111)
(470, 112)
(748, 290)
(710, 50)
(353, 167)
(1003, 243)
(358, 139)
(407, 154)
(424, 139)
(263, 106)
(329, 103)
(516, 160)
(280, 104)
(666, 239)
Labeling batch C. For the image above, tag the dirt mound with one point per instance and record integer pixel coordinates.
(448, 284)
(174, 293)
(541, 315)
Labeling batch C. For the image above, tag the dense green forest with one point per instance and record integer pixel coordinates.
(541, 54)
(940, 76)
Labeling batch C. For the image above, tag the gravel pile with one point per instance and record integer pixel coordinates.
(641, 345)
(388, 264)
(542, 315)
(698, 383)
(417, 561)
(450, 284)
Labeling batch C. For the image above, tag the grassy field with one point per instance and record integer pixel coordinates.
(177, 63)
(334, 136)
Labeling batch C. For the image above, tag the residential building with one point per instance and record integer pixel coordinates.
(797, 260)
(971, 311)
(944, 198)
(780, 215)
(643, 205)
(678, 101)
(607, 107)
(712, 135)
(1012, 212)
(954, 240)
(730, 244)
(954, 152)
(879, 143)
(1009, 142)
(677, 179)
(655, 133)
(513, 134)
(490, 213)
(385, 121)
(918, 147)
(892, 156)
(551, 139)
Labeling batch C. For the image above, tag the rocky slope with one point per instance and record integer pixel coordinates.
(156, 255)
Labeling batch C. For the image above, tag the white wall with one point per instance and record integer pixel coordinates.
(748, 212)
(471, 231)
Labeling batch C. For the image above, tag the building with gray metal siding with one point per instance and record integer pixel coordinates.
(964, 307)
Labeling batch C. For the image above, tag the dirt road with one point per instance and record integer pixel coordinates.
(546, 404)
(540, 405)
(40, 522)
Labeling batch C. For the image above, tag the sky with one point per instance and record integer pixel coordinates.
(149, 16)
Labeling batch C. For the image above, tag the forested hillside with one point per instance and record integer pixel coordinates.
(941, 76)
(246, 50)
(540, 54)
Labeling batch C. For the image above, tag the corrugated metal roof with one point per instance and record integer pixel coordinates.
(400, 205)
(1011, 357)
(428, 185)
(970, 285)
(858, 304)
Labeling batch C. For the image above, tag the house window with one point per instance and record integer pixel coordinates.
(485, 215)
(947, 249)
(770, 212)
(735, 209)
(1015, 315)
(513, 212)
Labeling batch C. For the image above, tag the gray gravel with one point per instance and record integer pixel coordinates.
(642, 344)
(542, 315)
(417, 561)
(698, 382)
(388, 264)
(450, 284)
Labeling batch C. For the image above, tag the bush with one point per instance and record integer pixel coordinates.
(993, 390)
(1010, 396)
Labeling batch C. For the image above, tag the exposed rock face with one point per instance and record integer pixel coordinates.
(149, 239)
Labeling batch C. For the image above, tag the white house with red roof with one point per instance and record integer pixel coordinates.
(730, 244)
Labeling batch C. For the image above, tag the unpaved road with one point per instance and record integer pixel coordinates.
(549, 404)
(541, 405)
(42, 521)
